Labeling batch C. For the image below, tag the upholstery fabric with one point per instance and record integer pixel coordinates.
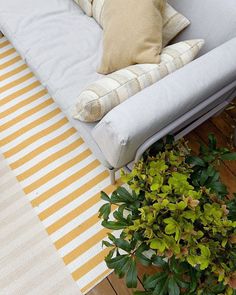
(61, 44)
(130, 35)
(212, 20)
(127, 126)
(86, 5)
(173, 21)
(103, 95)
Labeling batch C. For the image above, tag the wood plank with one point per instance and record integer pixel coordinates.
(224, 123)
(120, 286)
(147, 270)
(104, 288)
(208, 127)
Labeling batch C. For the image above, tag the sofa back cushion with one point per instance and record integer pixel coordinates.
(213, 20)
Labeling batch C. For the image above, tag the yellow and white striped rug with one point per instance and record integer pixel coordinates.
(58, 173)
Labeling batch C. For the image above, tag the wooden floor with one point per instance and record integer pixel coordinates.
(222, 126)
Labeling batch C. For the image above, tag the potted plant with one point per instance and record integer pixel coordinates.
(174, 213)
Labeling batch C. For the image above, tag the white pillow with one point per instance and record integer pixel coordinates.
(86, 6)
(104, 94)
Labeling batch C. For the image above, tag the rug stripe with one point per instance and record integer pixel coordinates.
(77, 211)
(81, 271)
(17, 82)
(14, 72)
(26, 114)
(23, 103)
(61, 186)
(10, 62)
(35, 137)
(19, 92)
(60, 204)
(98, 237)
(42, 148)
(7, 53)
(57, 172)
(5, 43)
(50, 159)
(30, 126)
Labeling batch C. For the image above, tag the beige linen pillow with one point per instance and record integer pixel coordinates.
(104, 94)
(130, 35)
(86, 6)
(173, 21)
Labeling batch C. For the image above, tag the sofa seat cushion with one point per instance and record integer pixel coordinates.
(61, 44)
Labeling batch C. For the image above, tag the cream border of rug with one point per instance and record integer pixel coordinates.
(29, 262)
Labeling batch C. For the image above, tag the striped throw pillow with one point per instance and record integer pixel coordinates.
(86, 6)
(104, 94)
(173, 21)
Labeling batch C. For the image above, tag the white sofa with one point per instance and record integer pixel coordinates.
(63, 47)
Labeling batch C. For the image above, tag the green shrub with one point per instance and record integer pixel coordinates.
(175, 214)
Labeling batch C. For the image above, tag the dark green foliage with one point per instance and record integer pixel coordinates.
(176, 215)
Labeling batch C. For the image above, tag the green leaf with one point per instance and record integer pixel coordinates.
(122, 269)
(105, 197)
(150, 282)
(218, 187)
(158, 244)
(111, 237)
(113, 225)
(173, 287)
(170, 229)
(219, 288)
(203, 177)
(124, 194)
(132, 276)
(107, 244)
(196, 161)
(212, 141)
(122, 244)
(231, 205)
(141, 257)
(142, 293)
(162, 286)
(118, 215)
(193, 281)
(105, 211)
(157, 260)
(116, 262)
(229, 157)
(210, 170)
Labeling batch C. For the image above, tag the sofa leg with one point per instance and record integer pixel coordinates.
(112, 176)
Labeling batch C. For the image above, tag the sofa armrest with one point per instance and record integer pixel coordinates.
(120, 133)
